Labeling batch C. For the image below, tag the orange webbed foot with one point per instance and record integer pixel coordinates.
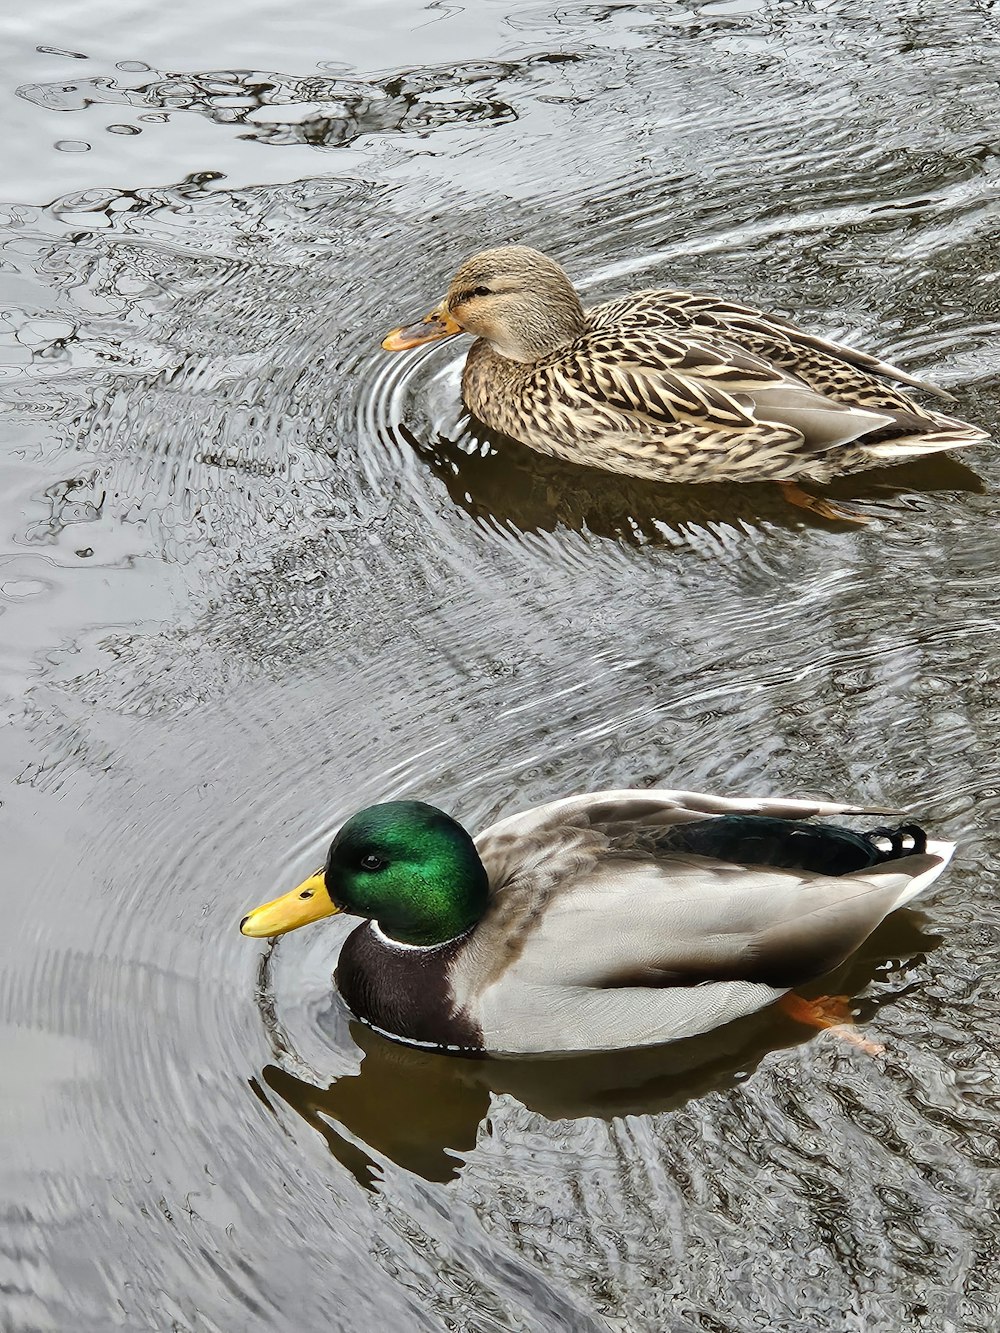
(795, 495)
(831, 1013)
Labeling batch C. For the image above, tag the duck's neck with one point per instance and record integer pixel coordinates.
(490, 384)
(405, 992)
(540, 329)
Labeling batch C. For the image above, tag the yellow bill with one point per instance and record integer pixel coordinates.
(438, 324)
(309, 902)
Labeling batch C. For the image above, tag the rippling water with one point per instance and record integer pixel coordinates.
(254, 573)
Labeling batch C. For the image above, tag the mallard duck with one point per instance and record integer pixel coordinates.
(610, 920)
(673, 386)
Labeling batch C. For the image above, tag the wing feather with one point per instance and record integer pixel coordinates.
(639, 955)
(703, 392)
(768, 335)
(594, 939)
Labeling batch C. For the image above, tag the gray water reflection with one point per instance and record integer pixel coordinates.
(254, 573)
(424, 1110)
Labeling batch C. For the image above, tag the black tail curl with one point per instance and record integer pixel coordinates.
(906, 840)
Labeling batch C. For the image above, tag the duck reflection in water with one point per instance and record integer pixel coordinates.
(494, 478)
(425, 1111)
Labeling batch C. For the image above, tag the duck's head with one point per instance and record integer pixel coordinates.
(408, 866)
(515, 297)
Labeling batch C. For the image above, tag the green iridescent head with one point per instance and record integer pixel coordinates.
(406, 865)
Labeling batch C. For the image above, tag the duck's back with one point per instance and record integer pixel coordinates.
(676, 386)
(606, 930)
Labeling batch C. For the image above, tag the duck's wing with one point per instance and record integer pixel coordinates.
(513, 845)
(825, 364)
(692, 389)
(602, 934)
(675, 406)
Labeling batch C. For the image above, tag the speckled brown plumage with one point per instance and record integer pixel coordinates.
(674, 386)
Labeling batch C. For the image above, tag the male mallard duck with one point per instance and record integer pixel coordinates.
(610, 920)
(672, 386)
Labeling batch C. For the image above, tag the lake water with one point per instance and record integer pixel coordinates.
(254, 573)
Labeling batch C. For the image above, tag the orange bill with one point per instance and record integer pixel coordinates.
(438, 324)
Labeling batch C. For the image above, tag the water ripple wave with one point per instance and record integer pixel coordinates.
(254, 572)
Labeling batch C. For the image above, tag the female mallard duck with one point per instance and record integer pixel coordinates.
(615, 919)
(671, 386)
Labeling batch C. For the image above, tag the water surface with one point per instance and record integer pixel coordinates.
(254, 573)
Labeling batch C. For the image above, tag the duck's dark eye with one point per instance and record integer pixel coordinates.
(371, 862)
(481, 291)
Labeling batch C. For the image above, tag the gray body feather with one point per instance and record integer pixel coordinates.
(596, 937)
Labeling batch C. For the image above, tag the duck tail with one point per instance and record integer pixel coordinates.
(908, 846)
(944, 433)
(892, 844)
